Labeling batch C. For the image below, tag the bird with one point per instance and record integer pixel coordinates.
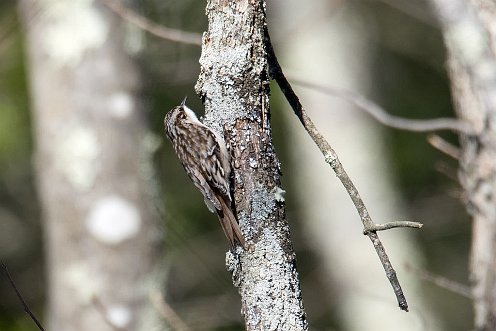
(205, 158)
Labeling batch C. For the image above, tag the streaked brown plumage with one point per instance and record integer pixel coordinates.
(205, 158)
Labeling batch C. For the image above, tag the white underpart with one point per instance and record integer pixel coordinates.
(113, 220)
(192, 116)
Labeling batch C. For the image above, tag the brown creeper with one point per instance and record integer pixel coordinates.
(205, 158)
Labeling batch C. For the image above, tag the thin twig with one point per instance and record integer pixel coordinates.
(19, 296)
(446, 170)
(383, 117)
(332, 159)
(153, 28)
(444, 146)
(167, 312)
(414, 10)
(392, 225)
(442, 282)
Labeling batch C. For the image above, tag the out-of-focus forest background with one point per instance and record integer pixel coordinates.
(391, 52)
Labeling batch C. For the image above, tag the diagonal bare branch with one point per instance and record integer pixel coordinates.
(370, 228)
(167, 312)
(370, 107)
(383, 117)
(153, 28)
(19, 296)
(443, 282)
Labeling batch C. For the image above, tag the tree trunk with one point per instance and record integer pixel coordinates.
(234, 86)
(93, 167)
(469, 33)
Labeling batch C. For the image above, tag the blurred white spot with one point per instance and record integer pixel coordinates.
(121, 105)
(120, 316)
(152, 142)
(468, 40)
(73, 28)
(80, 279)
(113, 220)
(77, 156)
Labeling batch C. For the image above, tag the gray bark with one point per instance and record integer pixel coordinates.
(93, 168)
(234, 86)
(469, 33)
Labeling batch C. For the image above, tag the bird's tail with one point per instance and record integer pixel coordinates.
(230, 226)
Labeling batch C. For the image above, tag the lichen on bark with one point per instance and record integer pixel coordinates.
(234, 87)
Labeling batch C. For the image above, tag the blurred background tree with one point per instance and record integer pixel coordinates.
(388, 50)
